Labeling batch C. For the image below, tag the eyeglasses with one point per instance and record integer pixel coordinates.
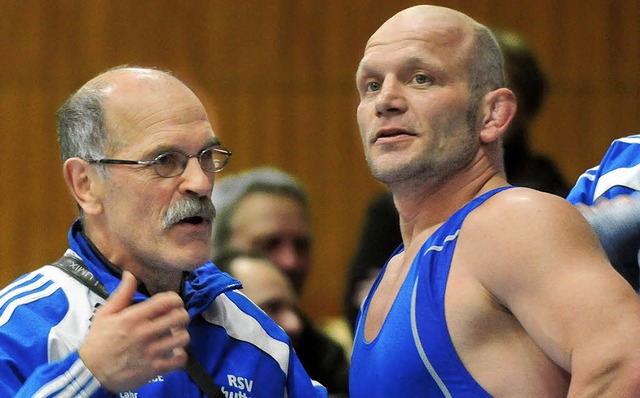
(173, 163)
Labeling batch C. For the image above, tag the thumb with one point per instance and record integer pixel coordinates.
(122, 296)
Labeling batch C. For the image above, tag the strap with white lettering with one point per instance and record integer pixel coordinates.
(75, 268)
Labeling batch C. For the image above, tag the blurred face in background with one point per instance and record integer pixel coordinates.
(276, 226)
(270, 290)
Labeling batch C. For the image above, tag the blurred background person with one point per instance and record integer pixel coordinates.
(266, 210)
(527, 80)
(266, 285)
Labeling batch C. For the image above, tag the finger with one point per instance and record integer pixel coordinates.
(170, 343)
(122, 296)
(172, 360)
(156, 318)
(168, 324)
(160, 306)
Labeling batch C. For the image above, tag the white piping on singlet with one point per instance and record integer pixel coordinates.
(414, 326)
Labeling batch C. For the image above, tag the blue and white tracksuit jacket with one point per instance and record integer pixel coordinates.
(617, 174)
(45, 316)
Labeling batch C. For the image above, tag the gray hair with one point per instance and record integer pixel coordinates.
(231, 189)
(82, 125)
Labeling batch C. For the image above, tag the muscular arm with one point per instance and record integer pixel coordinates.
(549, 271)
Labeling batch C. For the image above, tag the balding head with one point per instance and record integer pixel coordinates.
(429, 71)
(131, 94)
(117, 134)
(450, 31)
(105, 103)
(440, 25)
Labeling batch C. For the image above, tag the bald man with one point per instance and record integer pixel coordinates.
(496, 290)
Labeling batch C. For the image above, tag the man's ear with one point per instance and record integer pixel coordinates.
(84, 183)
(499, 108)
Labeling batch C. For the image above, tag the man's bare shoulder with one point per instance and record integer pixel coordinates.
(520, 201)
(523, 213)
(536, 269)
(522, 236)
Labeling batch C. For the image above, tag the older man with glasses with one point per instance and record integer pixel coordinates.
(168, 323)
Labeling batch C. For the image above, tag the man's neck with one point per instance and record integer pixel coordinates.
(423, 207)
(151, 280)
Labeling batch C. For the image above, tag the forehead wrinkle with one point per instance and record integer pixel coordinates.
(154, 103)
(179, 103)
(435, 36)
(152, 122)
(187, 116)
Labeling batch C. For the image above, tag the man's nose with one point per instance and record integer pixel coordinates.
(287, 256)
(390, 98)
(196, 180)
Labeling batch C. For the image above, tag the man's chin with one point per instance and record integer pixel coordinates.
(190, 256)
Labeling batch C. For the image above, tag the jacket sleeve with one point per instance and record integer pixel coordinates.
(37, 357)
(616, 174)
(299, 384)
(66, 378)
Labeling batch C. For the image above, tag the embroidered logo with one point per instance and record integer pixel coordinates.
(243, 384)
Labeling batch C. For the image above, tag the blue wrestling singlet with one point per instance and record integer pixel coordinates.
(413, 354)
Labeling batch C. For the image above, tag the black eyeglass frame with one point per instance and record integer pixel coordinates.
(146, 163)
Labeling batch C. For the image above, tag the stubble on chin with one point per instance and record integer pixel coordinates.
(390, 171)
(412, 171)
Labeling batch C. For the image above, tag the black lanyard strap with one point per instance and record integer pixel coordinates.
(75, 268)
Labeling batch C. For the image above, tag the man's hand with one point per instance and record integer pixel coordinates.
(128, 345)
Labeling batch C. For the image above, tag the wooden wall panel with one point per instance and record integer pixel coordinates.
(281, 74)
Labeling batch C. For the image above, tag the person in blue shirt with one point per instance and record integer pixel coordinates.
(609, 197)
(140, 159)
(496, 290)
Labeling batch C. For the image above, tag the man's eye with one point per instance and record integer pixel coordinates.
(168, 158)
(422, 79)
(270, 244)
(373, 86)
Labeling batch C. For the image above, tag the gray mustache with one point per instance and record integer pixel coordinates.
(190, 207)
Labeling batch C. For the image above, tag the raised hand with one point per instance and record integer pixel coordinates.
(128, 345)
